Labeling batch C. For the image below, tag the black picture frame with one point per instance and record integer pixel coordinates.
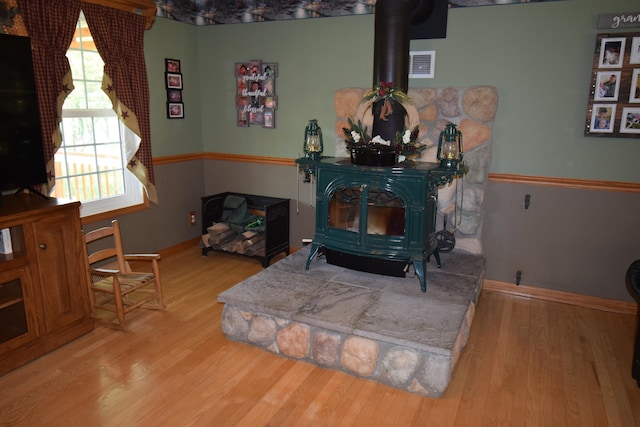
(175, 110)
(174, 95)
(172, 65)
(173, 80)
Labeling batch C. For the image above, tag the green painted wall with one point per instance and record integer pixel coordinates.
(537, 55)
(168, 39)
(315, 57)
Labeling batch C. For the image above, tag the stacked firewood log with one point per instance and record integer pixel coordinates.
(222, 237)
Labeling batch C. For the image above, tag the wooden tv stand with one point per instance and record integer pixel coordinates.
(44, 300)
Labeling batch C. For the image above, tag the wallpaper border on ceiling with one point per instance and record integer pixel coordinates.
(216, 12)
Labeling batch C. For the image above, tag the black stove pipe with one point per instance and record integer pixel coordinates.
(393, 19)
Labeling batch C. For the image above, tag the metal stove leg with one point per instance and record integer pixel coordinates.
(313, 252)
(420, 265)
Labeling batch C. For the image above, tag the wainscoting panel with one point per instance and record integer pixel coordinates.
(569, 239)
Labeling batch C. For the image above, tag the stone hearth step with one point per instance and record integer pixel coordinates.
(376, 327)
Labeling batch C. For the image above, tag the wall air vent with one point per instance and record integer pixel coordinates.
(422, 64)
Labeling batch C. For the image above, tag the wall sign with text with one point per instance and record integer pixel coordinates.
(613, 108)
(619, 20)
(256, 100)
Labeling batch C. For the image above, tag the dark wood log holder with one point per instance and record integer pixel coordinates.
(275, 212)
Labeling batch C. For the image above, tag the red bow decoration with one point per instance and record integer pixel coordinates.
(383, 91)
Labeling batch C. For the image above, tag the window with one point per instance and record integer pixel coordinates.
(90, 165)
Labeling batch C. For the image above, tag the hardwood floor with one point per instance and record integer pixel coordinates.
(527, 362)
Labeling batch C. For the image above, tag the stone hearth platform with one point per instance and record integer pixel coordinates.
(371, 326)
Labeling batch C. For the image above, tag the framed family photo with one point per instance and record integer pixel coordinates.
(612, 52)
(243, 119)
(634, 57)
(270, 69)
(174, 95)
(630, 122)
(634, 92)
(174, 80)
(172, 65)
(256, 118)
(607, 86)
(175, 110)
(602, 118)
(270, 102)
(269, 119)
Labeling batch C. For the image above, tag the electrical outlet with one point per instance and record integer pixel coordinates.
(192, 218)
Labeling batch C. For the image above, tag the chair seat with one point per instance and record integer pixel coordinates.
(128, 282)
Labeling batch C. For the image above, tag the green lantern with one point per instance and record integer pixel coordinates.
(313, 145)
(450, 147)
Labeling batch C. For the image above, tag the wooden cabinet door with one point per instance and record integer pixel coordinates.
(18, 313)
(61, 263)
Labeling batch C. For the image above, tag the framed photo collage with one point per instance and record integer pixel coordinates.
(256, 100)
(614, 99)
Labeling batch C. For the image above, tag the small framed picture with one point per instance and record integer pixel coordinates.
(269, 86)
(175, 110)
(634, 92)
(174, 95)
(269, 119)
(256, 117)
(270, 70)
(254, 67)
(612, 52)
(243, 119)
(243, 101)
(242, 86)
(242, 69)
(630, 121)
(602, 118)
(607, 86)
(174, 80)
(270, 102)
(634, 57)
(172, 65)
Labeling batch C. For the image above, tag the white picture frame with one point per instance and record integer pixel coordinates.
(603, 118)
(634, 88)
(607, 86)
(630, 120)
(612, 52)
(634, 56)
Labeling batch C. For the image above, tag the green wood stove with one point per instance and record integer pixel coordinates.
(378, 219)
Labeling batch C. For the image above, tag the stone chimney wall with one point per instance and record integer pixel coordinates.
(473, 110)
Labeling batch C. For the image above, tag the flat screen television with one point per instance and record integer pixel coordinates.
(22, 163)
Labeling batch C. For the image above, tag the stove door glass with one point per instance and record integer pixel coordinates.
(344, 209)
(385, 213)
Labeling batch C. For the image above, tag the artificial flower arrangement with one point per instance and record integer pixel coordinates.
(405, 143)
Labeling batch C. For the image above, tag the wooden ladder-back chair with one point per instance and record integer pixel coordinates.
(114, 286)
